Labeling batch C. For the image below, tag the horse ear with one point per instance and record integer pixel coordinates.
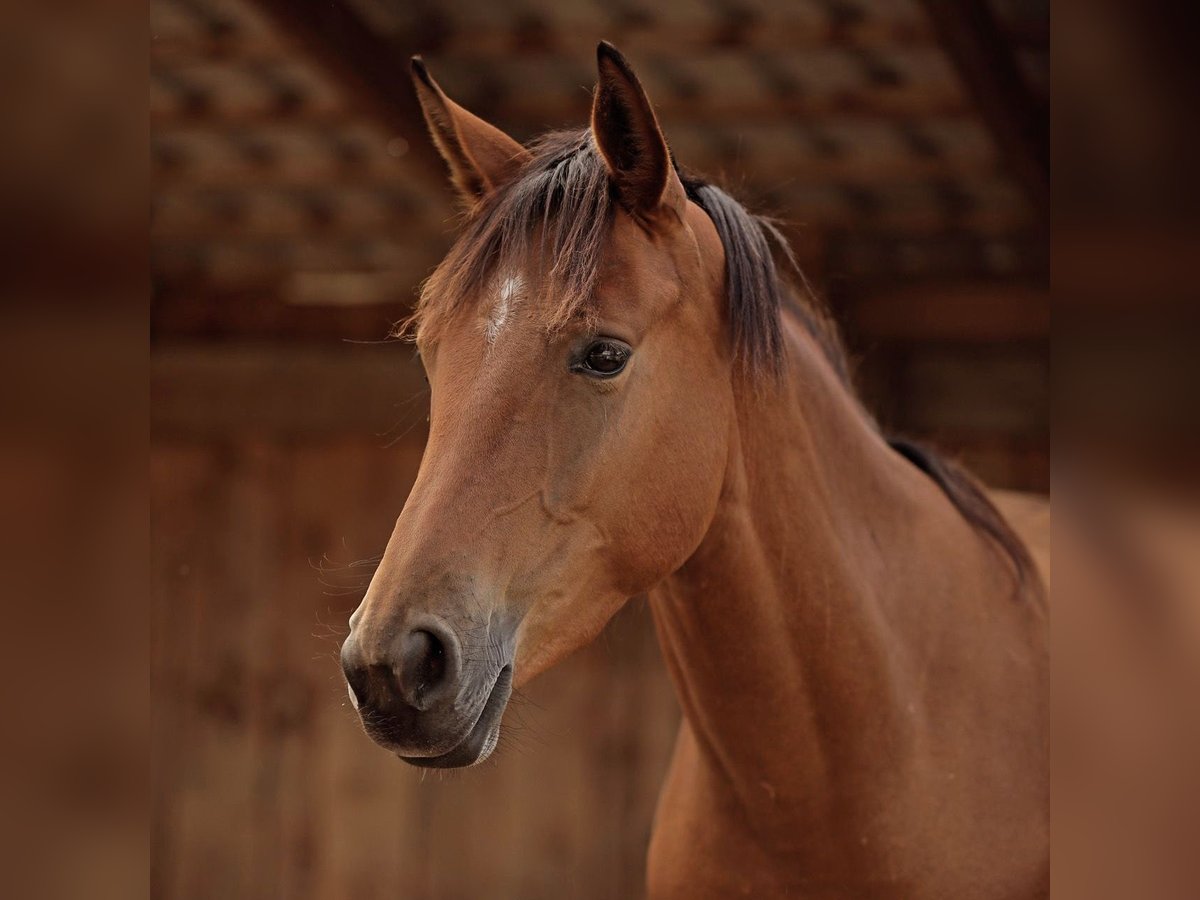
(632, 144)
(481, 157)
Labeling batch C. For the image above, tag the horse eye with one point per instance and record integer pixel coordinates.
(604, 358)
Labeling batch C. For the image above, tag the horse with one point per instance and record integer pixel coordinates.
(632, 393)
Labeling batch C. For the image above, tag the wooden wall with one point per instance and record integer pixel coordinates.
(964, 367)
(264, 784)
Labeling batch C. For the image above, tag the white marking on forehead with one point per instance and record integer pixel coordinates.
(507, 295)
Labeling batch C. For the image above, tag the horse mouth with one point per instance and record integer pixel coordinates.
(483, 736)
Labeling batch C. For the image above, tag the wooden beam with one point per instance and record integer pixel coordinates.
(487, 42)
(856, 149)
(522, 114)
(207, 390)
(294, 307)
(257, 213)
(682, 37)
(979, 312)
(988, 66)
(992, 207)
(370, 68)
(868, 261)
(248, 259)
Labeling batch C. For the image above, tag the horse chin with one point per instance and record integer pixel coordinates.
(483, 736)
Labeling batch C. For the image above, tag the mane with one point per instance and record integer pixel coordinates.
(969, 498)
(558, 213)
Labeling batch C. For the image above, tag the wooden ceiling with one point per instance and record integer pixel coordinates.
(295, 193)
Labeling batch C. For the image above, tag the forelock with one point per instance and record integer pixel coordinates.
(551, 223)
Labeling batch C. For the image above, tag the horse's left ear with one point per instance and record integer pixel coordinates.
(632, 144)
(481, 157)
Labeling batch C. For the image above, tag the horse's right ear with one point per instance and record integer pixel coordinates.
(481, 157)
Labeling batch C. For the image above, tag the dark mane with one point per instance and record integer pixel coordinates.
(970, 500)
(558, 212)
(756, 292)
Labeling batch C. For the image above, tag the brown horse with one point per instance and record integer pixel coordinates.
(627, 398)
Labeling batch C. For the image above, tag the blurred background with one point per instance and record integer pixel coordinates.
(295, 205)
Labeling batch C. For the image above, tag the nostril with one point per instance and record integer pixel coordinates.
(415, 670)
(356, 679)
(422, 665)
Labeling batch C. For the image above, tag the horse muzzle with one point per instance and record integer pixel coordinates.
(419, 695)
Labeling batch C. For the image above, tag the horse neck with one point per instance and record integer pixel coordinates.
(796, 631)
